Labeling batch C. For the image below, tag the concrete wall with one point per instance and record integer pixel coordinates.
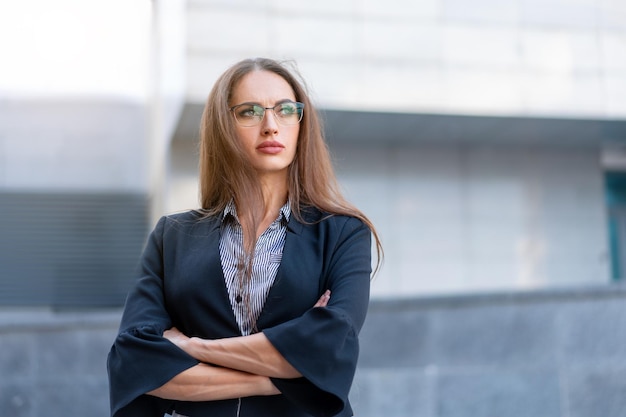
(53, 364)
(522, 57)
(548, 354)
(476, 217)
(78, 144)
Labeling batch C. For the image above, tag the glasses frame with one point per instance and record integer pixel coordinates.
(279, 120)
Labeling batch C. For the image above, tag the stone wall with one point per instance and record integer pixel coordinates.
(54, 364)
(548, 354)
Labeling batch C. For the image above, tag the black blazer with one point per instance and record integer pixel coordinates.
(181, 284)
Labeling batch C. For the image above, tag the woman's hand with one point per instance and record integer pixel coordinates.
(179, 339)
(323, 301)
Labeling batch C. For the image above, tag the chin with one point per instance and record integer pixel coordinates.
(272, 169)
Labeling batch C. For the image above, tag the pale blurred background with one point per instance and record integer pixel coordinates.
(486, 139)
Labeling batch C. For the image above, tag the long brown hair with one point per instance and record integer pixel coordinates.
(226, 173)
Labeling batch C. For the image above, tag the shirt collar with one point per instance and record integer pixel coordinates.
(230, 210)
(283, 216)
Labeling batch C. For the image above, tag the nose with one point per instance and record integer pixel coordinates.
(270, 125)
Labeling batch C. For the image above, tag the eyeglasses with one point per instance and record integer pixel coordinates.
(287, 113)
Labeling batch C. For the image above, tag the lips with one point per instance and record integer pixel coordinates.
(270, 147)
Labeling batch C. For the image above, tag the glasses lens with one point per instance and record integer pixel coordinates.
(249, 114)
(289, 113)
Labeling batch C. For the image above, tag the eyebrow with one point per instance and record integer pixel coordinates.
(284, 100)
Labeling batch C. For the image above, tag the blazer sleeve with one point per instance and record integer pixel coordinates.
(140, 359)
(323, 343)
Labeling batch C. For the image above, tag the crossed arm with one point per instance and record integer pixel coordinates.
(240, 367)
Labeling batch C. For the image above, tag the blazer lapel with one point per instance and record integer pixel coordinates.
(288, 298)
(214, 268)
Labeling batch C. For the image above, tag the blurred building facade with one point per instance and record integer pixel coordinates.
(478, 136)
(485, 139)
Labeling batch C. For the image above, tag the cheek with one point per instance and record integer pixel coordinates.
(246, 137)
(295, 144)
(295, 136)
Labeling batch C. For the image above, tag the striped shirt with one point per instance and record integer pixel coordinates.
(267, 256)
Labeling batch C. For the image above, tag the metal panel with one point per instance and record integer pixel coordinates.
(70, 249)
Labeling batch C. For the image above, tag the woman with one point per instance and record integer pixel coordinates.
(252, 305)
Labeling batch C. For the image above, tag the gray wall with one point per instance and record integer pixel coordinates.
(74, 199)
(73, 144)
(545, 354)
(480, 217)
(53, 364)
(539, 354)
(69, 249)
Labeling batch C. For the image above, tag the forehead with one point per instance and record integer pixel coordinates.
(263, 87)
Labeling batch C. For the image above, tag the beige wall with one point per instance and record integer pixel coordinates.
(516, 57)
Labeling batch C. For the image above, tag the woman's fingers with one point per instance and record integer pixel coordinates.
(323, 301)
(177, 337)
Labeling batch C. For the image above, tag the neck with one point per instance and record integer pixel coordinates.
(275, 192)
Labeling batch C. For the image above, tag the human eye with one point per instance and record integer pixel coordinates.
(287, 109)
(250, 111)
